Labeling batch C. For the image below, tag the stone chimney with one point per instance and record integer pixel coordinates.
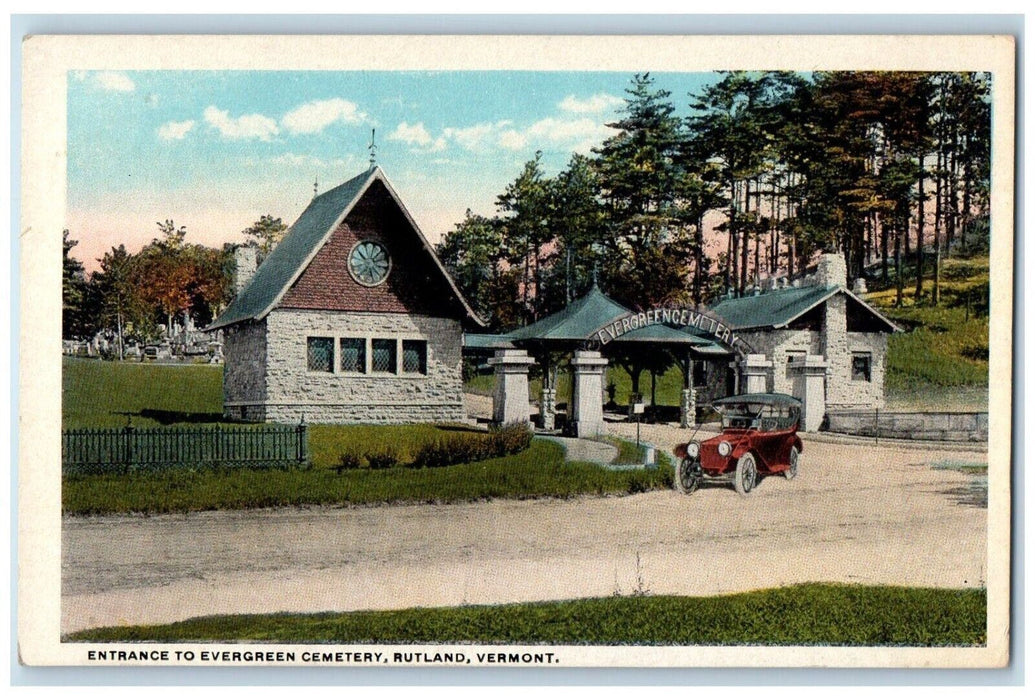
(246, 259)
(831, 271)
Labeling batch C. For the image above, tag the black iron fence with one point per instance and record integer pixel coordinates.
(119, 450)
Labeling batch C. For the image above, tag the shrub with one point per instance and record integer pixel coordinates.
(464, 448)
(511, 439)
(347, 460)
(385, 458)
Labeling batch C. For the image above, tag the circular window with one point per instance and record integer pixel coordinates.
(369, 263)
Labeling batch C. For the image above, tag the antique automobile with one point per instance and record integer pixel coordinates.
(759, 437)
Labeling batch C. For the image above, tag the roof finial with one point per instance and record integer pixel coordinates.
(373, 148)
(316, 185)
(595, 280)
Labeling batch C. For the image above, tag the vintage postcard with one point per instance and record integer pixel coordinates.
(541, 352)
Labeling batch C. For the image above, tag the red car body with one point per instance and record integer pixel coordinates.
(759, 438)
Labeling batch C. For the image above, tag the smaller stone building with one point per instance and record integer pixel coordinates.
(819, 327)
(351, 319)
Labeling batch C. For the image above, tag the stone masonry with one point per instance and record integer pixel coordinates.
(292, 392)
(244, 371)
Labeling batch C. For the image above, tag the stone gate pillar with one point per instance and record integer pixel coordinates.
(809, 386)
(548, 408)
(510, 396)
(687, 407)
(587, 405)
(755, 370)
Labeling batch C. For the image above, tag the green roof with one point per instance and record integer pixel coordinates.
(577, 321)
(772, 309)
(780, 307)
(486, 341)
(304, 239)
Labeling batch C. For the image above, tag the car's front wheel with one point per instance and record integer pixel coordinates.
(792, 464)
(746, 474)
(688, 476)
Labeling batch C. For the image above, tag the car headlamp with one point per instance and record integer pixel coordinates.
(693, 450)
(725, 448)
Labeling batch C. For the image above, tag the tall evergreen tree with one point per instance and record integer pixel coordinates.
(641, 178)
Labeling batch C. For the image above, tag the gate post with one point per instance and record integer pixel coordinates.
(809, 385)
(510, 397)
(755, 369)
(587, 393)
(687, 407)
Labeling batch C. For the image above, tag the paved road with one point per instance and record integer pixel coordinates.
(855, 514)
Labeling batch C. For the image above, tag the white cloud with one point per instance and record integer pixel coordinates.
(248, 126)
(477, 137)
(114, 81)
(513, 140)
(591, 105)
(175, 131)
(313, 117)
(417, 135)
(577, 134)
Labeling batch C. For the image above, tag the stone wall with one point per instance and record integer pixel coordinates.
(857, 393)
(777, 345)
(294, 392)
(955, 427)
(244, 371)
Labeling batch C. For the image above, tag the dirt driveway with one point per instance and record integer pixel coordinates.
(855, 514)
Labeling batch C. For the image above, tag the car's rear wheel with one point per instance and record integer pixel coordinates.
(746, 474)
(688, 476)
(792, 464)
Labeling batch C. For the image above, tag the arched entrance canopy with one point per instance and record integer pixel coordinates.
(595, 321)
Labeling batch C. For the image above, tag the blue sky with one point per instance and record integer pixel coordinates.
(215, 150)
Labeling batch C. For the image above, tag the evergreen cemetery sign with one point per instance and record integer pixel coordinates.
(709, 324)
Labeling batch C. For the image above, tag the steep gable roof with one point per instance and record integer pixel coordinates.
(779, 308)
(282, 268)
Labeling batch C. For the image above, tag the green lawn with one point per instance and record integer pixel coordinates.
(810, 614)
(98, 394)
(540, 471)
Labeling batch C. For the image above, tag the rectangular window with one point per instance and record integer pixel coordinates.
(320, 354)
(383, 355)
(861, 366)
(353, 354)
(415, 356)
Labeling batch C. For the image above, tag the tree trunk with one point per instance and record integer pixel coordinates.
(118, 323)
(938, 214)
(920, 235)
(884, 250)
(898, 262)
(744, 241)
(699, 255)
(731, 251)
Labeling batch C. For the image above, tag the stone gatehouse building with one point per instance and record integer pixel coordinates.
(351, 319)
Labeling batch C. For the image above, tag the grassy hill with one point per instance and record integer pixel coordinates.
(941, 358)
